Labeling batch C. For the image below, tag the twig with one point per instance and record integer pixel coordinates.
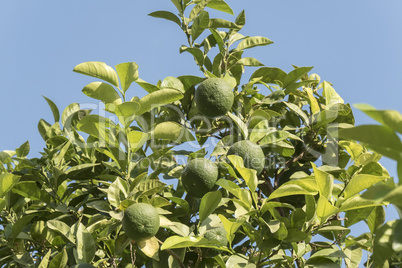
(133, 257)
(268, 186)
(286, 167)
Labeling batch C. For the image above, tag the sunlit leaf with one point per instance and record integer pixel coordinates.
(53, 107)
(128, 73)
(254, 41)
(157, 99)
(166, 15)
(103, 92)
(172, 131)
(209, 203)
(99, 70)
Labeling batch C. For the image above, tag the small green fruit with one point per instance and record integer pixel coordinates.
(140, 221)
(199, 177)
(252, 154)
(214, 97)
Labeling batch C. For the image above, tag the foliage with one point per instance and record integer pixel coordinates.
(65, 208)
(385, 140)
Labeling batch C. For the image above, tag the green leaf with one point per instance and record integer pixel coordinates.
(200, 24)
(295, 235)
(103, 92)
(330, 94)
(329, 253)
(295, 75)
(250, 42)
(393, 196)
(68, 112)
(294, 86)
(269, 75)
(23, 150)
(157, 99)
(240, 124)
(136, 139)
(45, 260)
(233, 188)
(197, 9)
(397, 235)
(390, 118)
(85, 244)
(125, 111)
(55, 110)
(173, 82)
(306, 186)
(241, 19)
(30, 190)
(325, 209)
(379, 138)
(150, 247)
(99, 70)
(196, 52)
(376, 218)
(220, 5)
(178, 5)
(128, 73)
(298, 111)
(354, 256)
(357, 215)
(19, 225)
(221, 23)
(325, 182)
(7, 182)
(249, 62)
(190, 80)
(147, 86)
(117, 192)
(382, 246)
(62, 229)
(60, 260)
(231, 226)
(315, 107)
(81, 167)
(166, 15)
(249, 175)
(43, 128)
(361, 182)
(271, 205)
(172, 131)
(236, 261)
(99, 127)
(209, 203)
(353, 148)
(357, 202)
(189, 241)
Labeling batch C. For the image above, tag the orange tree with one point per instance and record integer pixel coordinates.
(268, 183)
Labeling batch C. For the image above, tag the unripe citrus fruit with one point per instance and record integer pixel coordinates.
(218, 233)
(140, 221)
(199, 176)
(214, 97)
(252, 154)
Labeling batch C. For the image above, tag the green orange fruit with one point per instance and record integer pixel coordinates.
(199, 177)
(140, 221)
(252, 154)
(219, 234)
(214, 97)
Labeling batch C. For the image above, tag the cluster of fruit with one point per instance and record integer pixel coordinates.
(213, 97)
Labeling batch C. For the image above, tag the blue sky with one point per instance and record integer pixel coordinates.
(356, 45)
